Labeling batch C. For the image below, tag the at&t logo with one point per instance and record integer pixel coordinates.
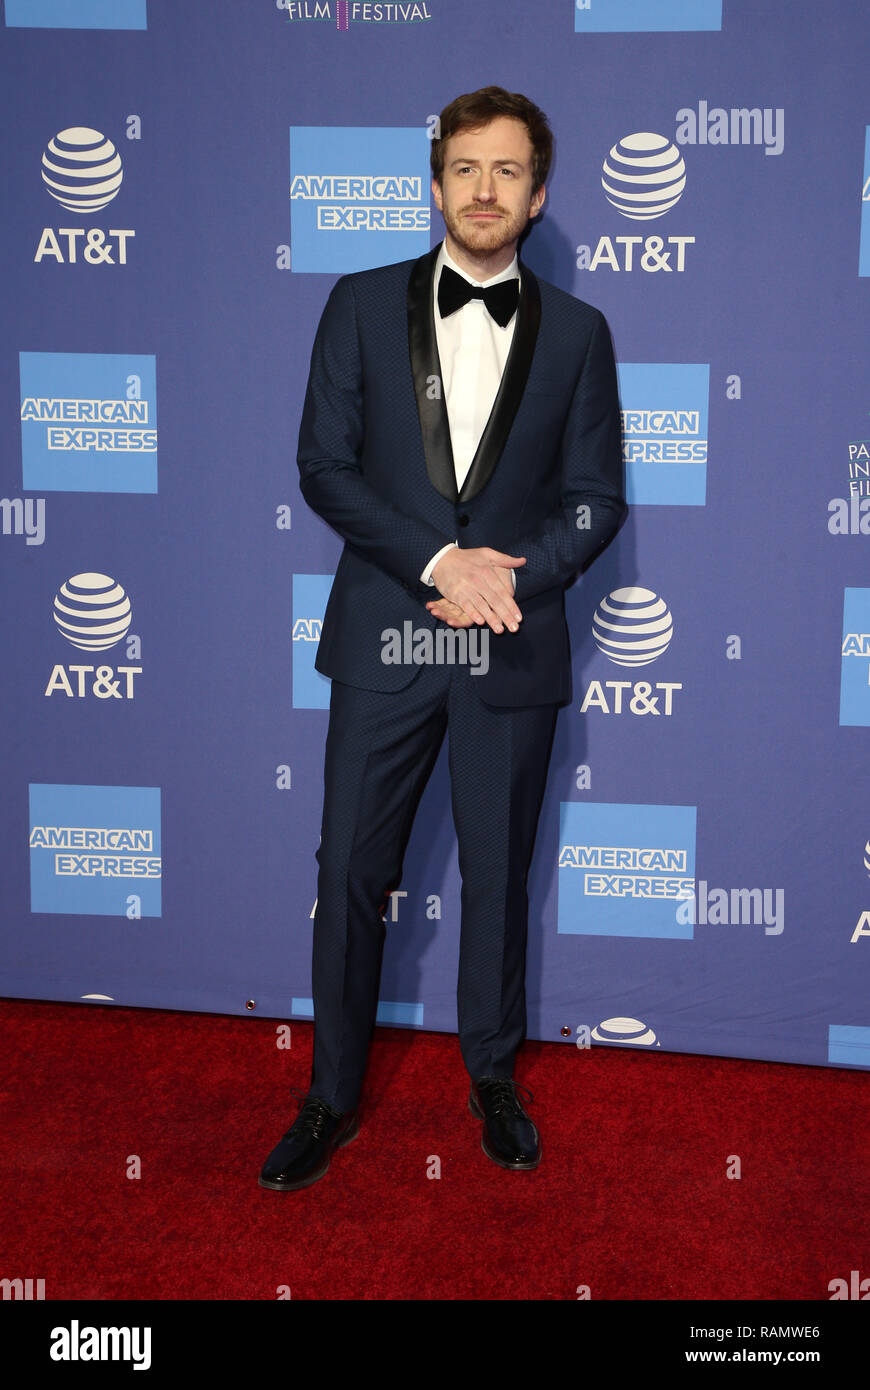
(81, 170)
(93, 613)
(862, 926)
(632, 627)
(625, 1030)
(643, 177)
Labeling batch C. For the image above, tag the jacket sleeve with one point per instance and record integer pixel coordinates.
(330, 449)
(592, 478)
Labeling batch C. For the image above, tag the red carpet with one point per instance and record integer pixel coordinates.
(631, 1198)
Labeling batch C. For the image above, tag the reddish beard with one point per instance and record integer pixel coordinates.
(484, 235)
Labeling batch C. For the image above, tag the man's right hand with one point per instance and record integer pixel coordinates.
(479, 581)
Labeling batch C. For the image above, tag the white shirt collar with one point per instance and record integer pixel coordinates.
(511, 272)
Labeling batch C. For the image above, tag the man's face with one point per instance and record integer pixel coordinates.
(486, 192)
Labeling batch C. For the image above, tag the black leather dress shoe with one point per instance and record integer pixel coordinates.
(302, 1156)
(509, 1137)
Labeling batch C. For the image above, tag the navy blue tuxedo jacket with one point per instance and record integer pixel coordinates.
(375, 462)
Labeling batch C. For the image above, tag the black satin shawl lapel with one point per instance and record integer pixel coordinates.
(426, 372)
(429, 388)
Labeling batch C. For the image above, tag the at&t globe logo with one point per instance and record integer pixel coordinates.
(644, 176)
(93, 613)
(632, 627)
(625, 1030)
(82, 169)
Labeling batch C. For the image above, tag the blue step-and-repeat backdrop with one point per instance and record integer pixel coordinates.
(184, 183)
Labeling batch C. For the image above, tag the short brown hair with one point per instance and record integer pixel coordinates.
(476, 109)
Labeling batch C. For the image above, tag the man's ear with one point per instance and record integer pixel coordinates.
(436, 194)
(537, 201)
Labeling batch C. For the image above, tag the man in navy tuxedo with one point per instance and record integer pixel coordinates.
(461, 433)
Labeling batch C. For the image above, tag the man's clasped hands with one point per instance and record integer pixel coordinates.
(476, 587)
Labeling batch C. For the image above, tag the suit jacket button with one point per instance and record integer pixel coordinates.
(463, 519)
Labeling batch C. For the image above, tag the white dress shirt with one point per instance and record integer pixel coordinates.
(473, 349)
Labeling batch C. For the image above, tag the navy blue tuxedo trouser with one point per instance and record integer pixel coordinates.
(380, 751)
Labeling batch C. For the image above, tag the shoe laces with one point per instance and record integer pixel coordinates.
(313, 1113)
(501, 1094)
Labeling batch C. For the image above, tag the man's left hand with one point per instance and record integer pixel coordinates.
(449, 613)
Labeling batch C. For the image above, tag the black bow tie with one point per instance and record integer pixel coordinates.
(500, 299)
